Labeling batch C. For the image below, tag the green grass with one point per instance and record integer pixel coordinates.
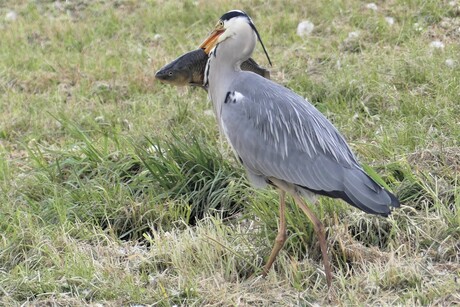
(116, 189)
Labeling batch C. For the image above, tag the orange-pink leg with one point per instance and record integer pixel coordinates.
(280, 237)
(319, 229)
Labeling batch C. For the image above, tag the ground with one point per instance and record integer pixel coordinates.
(118, 190)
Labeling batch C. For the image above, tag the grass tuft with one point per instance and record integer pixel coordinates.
(198, 175)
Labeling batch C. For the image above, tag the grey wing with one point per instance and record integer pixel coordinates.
(276, 133)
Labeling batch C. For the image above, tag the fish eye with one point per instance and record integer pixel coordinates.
(170, 73)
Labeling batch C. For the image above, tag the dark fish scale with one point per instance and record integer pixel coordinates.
(189, 68)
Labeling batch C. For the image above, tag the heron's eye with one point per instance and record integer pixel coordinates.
(220, 24)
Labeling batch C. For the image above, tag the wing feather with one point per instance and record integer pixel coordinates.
(279, 130)
(277, 133)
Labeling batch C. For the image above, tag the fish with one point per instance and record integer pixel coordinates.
(188, 69)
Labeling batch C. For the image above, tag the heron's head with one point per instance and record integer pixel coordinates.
(232, 24)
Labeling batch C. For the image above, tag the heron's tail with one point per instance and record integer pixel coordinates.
(364, 193)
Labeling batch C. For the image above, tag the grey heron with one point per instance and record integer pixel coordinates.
(280, 138)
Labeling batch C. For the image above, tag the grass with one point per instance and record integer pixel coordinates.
(117, 190)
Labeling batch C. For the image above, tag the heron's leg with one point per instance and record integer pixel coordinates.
(319, 229)
(280, 237)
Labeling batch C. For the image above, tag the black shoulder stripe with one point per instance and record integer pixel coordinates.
(227, 97)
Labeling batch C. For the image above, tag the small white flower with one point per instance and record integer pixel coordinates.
(390, 20)
(11, 16)
(450, 63)
(437, 45)
(372, 6)
(353, 34)
(305, 28)
(153, 149)
(418, 27)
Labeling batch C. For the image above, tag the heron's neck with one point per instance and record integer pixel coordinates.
(221, 74)
(224, 64)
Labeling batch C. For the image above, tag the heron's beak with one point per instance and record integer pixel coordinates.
(211, 41)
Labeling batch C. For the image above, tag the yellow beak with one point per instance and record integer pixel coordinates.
(211, 41)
